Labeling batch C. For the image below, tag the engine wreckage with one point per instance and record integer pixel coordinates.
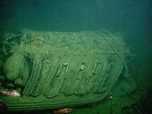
(62, 69)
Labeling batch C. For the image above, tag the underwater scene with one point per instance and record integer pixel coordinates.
(75, 57)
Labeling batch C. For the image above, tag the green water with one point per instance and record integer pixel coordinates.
(129, 19)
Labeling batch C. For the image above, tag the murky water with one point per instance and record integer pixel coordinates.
(130, 20)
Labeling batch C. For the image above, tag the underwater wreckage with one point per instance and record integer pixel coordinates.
(62, 69)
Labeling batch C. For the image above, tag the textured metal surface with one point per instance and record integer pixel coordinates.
(64, 68)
